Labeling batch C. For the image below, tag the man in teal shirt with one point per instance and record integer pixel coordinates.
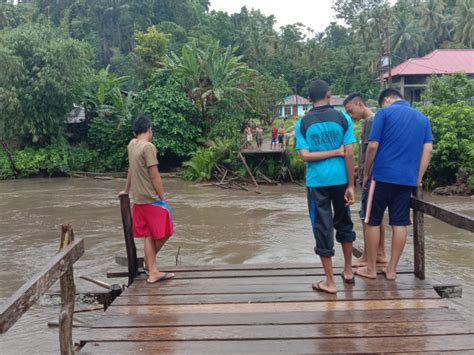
(325, 140)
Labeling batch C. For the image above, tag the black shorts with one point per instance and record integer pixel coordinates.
(321, 203)
(280, 138)
(363, 205)
(396, 197)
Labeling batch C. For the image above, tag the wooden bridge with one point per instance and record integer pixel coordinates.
(255, 309)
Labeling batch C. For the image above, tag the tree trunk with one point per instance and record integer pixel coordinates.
(10, 158)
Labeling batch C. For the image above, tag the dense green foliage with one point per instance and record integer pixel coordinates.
(202, 75)
(175, 132)
(449, 89)
(43, 74)
(453, 131)
(51, 161)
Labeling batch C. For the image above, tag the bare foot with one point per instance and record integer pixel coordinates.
(323, 287)
(391, 276)
(381, 259)
(159, 276)
(364, 272)
(362, 261)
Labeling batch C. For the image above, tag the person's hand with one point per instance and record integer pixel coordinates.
(349, 196)
(340, 151)
(419, 183)
(123, 192)
(366, 183)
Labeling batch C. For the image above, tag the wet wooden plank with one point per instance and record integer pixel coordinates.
(274, 284)
(280, 307)
(286, 331)
(230, 267)
(113, 320)
(276, 297)
(297, 346)
(205, 274)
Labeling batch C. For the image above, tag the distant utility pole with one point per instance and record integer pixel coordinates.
(389, 45)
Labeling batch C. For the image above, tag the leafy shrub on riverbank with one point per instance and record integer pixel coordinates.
(203, 162)
(54, 160)
(453, 134)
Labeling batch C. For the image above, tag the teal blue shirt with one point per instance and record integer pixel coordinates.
(323, 129)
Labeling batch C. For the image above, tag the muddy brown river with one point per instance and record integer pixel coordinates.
(213, 226)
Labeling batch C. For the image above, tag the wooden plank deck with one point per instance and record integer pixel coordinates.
(256, 309)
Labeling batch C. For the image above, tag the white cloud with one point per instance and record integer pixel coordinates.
(316, 14)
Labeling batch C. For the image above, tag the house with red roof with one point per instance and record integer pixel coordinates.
(411, 76)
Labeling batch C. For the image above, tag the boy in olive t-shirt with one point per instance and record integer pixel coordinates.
(151, 214)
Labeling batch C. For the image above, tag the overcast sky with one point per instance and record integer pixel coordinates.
(316, 14)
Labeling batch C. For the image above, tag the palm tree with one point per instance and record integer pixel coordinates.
(405, 34)
(434, 21)
(210, 75)
(464, 22)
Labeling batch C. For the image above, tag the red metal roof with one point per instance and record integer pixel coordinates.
(441, 61)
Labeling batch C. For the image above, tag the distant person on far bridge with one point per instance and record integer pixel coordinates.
(259, 136)
(151, 212)
(248, 137)
(398, 154)
(281, 136)
(274, 137)
(357, 108)
(325, 140)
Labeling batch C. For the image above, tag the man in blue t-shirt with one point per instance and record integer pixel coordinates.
(325, 140)
(399, 152)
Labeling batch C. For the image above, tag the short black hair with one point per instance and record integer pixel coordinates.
(141, 124)
(390, 92)
(318, 90)
(354, 97)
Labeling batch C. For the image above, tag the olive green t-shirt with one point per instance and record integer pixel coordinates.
(141, 155)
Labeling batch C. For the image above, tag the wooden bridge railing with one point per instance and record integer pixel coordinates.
(132, 259)
(421, 207)
(59, 267)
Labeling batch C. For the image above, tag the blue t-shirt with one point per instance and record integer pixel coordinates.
(323, 129)
(401, 132)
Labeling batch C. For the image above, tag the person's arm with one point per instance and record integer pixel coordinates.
(307, 156)
(426, 155)
(126, 189)
(372, 149)
(156, 181)
(350, 165)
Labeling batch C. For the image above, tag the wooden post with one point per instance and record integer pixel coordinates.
(249, 171)
(128, 234)
(419, 239)
(68, 295)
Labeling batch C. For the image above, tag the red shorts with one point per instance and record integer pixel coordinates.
(152, 220)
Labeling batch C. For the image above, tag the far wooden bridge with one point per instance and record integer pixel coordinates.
(265, 149)
(257, 309)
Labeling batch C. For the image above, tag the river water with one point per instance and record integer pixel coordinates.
(213, 226)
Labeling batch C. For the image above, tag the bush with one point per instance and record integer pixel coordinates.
(453, 133)
(109, 139)
(172, 113)
(54, 160)
(203, 162)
